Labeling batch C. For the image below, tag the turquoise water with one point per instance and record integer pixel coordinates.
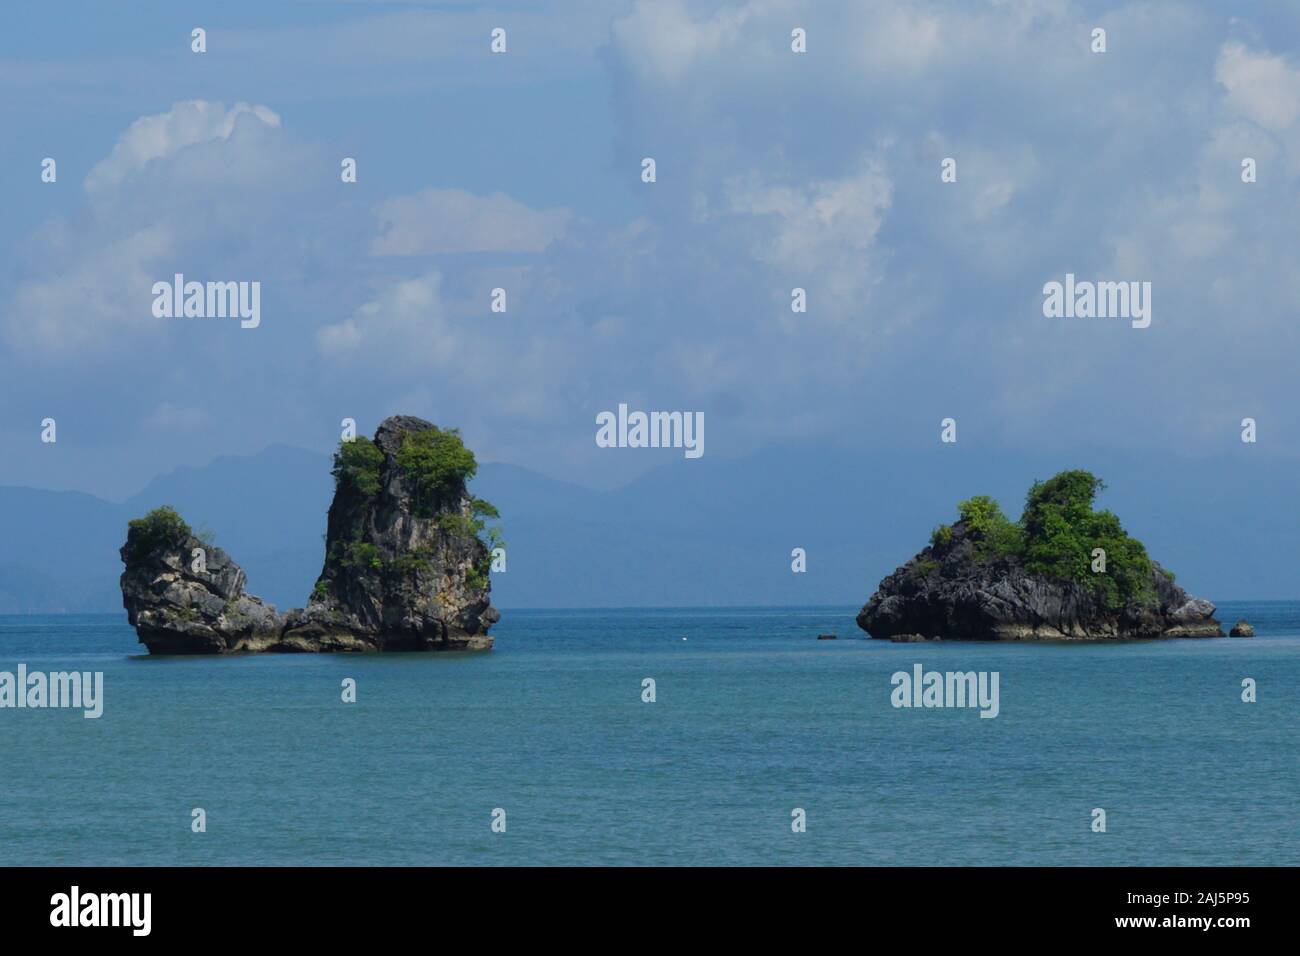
(753, 718)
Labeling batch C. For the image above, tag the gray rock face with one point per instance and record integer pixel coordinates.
(418, 585)
(177, 609)
(404, 571)
(952, 594)
(1242, 629)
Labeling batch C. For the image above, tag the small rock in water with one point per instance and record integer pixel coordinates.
(970, 586)
(826, 637)
(1242, 629)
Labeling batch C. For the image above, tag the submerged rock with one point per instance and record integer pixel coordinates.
(1242, 629)
(827, 637)
(405, 566)
(906, 638)
(978, 579)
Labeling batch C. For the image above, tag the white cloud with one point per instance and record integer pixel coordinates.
(821, 235)
(902, 38)
(202, 190)
(413, 333)
(662, 40)
(827, 220)
(776, 171)
(407, 322)
(1262, 86)
(78, 306)
(452, 220)
(163, 134)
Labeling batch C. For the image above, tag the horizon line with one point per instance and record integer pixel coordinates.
(650, 607)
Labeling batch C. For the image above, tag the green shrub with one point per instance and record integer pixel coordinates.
(980, 513)
(476, 578)
(356, 466)
(1056, 535)
(414, 561)
(437, 463)
(1062, 529)
(362, 555)
(162, 526)
(493, 539)
(994, 534)
(473, 526)
(458, 525)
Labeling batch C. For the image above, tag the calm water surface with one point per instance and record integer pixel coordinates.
(754, 717)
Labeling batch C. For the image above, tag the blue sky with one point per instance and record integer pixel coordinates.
(522, 170)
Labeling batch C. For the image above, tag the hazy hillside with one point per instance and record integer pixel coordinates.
(711, 531)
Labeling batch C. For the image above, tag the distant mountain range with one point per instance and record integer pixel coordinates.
(712, 531)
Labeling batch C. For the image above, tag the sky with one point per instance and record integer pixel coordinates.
(522, 170)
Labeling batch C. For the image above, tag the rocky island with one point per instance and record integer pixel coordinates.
(407, 556)
(1064, 571)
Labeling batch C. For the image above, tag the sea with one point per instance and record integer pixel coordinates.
(727, 736)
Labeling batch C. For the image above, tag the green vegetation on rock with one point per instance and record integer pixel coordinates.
(435, 466)
(996, 535)
(1062, 529)
(162, 526)
(476, 578)
(361, 555)
(485, 509)
(414, 561)
(1056, 537)
(437, 463)
(356, 466)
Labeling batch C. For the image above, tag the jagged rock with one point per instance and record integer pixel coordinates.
(398, 573)
(951, 591)
(1242, 629)
(177, 609)
(404, 568)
